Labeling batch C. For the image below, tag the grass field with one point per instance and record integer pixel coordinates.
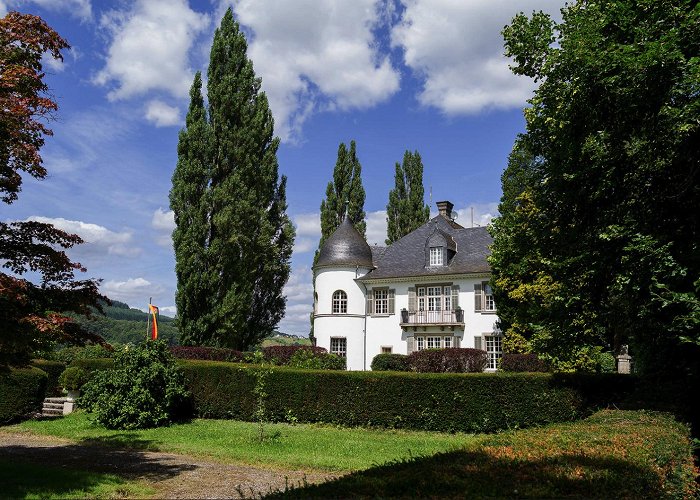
(23, 480)
(314, 447)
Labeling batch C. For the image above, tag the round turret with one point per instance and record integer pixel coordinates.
(345, 247)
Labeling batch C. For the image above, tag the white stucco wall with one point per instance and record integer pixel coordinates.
(385, 330)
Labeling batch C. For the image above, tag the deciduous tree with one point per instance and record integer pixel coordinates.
(33, 313)
(406, 210)
(243, 233)
(615, 129)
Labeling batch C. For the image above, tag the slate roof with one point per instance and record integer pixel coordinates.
(407, 256)
(345, 247)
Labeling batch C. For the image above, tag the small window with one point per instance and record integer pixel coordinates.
(448, 342)
(340, 302)
(339, 346)
(494, 350)
(420, 343)
(381, 301)
(386, 349)
(489, 303)
(435, 256)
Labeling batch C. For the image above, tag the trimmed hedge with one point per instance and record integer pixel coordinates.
(522, 363)
(282, 354)
(478, 402)
(94, 364)
(440, 402)
(452, 360)
(53, 369)
(21, 392)
(207, 353)
(390, 362)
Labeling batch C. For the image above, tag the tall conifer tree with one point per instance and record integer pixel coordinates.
(406, 210)
(344, 193)
(248, 236)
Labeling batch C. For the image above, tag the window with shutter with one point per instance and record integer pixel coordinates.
(455, 297)
(411, 299)
(392, 292)
(478, 299)
(370, 302)
(477, 343)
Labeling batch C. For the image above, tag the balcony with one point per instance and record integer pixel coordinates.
(442, 319)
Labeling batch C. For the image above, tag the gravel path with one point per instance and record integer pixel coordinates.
(173, 476)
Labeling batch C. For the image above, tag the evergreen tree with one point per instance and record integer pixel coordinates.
(406, 210)
(343, 194)
(244, 237)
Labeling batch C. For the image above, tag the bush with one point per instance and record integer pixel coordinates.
(282, 354)
(451, 360)
(145, 389)
(607, 363)
(306, 358)
(522, 363)
(390, 362)
(438, 402)
(21, 392)
(207, 353)
(74, 378)
(53, 369)
(68, 355)
(93, 365)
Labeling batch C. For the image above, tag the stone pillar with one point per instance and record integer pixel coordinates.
(624, 361)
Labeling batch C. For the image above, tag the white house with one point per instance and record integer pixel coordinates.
(427, 290)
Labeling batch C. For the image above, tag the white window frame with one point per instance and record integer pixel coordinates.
(339, 346)
(434, 342)
(489, 303)
(494, 350)
(420, 343)
(421, 298)
(381, 301)
(436, 256)
(339, 302)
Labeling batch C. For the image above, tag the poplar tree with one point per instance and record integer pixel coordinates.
(406, 210)
(245, 237)
(344, 194)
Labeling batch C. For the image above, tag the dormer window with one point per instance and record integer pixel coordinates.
(436, 256)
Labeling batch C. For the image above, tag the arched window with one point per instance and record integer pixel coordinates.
(340, 302)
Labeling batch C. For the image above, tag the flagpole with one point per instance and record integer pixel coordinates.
(148, 321)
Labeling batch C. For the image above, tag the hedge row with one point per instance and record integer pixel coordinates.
(206, 353)
(53, 369)
(478, 402)
(21, 392)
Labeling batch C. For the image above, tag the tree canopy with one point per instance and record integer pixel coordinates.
(233, 239)
(597, 244)
(33, 314)
(406, 210)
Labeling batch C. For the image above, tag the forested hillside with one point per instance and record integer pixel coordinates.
(122, 324)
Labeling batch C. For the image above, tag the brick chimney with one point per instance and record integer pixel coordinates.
(445, 209)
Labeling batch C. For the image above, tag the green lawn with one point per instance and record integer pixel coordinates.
(312, 447)
(24, 480)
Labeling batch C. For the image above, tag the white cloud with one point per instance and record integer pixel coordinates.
(316, 54)
(161, 114)
(299, 291)
(99, 236)
(457, 48)
(164, 223)
(308, 224)
(484, 213)
(376, 228)
(131, 291)
(81, 9)
(168, 310)
(149, 48)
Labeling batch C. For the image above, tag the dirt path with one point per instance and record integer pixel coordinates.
(173, 476)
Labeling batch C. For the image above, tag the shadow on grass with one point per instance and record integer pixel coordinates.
(123, 440)
(477, 474)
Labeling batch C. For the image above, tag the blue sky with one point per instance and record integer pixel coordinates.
(424, 75)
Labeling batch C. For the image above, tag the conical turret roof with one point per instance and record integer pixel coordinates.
(345, 247)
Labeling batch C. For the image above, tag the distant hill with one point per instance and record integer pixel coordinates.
(280, 338)
(122, 324)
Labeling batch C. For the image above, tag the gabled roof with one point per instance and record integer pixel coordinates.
(345, 248)
(407, 256)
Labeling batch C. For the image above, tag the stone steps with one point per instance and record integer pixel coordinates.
(53, 407)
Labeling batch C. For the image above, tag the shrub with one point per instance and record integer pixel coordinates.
(306, 358)
(480, 402)
(21, 392)
(390, 362)
(73, 378)
(607, 363)
(281, 354)
(207, 353)
(451, 360)
(97, 364)
(53, 370)
(522, 363)
(144, 389)
(68, 355)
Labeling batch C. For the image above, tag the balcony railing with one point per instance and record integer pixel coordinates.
(432, 317)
